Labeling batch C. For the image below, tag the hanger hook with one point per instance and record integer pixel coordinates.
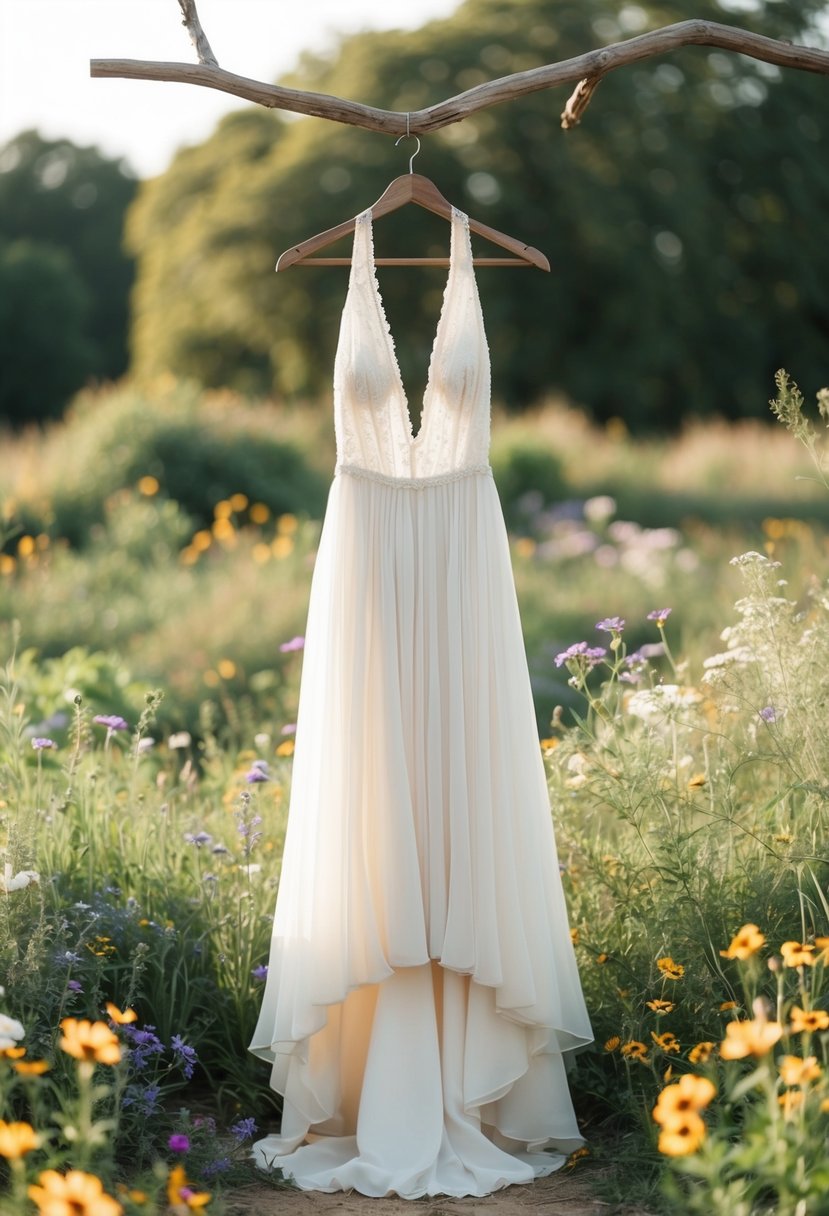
(409, 135)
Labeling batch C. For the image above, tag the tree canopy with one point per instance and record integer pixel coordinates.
(683, 218)
(61, 215)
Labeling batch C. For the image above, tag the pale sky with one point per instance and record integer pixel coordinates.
(46, 45)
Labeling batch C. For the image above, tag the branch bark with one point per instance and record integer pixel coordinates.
(190, 21)
(585, 70)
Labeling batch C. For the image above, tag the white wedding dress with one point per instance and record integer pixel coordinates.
(422, 986)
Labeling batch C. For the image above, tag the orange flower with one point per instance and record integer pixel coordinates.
(13, 1053)
(122, 1019)
(726, 1005)
(666, 1042)
(806, 1021)
(670, 969)
(634, 1050)
(822, 944)
(72, 1194)
(794, 1071)
(798, 954)
(701, 1053)
(661, 1006)
(180, 1196)
(31, 1068)
(612, 1043)
(574, 936)
(602, 958)
(682, 1135)
(17, 1139)
(753, 1038)
(87, 1040)
(746, 942)
(791, 1101)
(689, 1093)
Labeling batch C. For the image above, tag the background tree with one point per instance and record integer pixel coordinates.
(683, 218)
(66, 204)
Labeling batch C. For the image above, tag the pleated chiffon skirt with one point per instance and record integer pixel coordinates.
(422, 986)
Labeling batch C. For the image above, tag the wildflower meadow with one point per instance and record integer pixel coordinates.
(148, 698)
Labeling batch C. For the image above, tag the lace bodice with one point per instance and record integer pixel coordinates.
(372, 419)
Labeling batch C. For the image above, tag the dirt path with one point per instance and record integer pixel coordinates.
(558, 1195)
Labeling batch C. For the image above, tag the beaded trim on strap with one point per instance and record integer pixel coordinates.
(412, 483)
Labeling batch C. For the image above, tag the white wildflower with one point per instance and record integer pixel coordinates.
(180, 739)
(11, 1032)
(648, 703)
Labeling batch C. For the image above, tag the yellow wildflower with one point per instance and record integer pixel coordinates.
(286, 748)
(794, 1071)
(634, 1050)
(670, 969)
(701, 1053)
(122, 1019)
(689, 1093)
(31, 1068)
(822, 944)
(574, 936)
(148, 485)
(682, 1135)
(87, 1040)
(798, 954)
(73, 1194)
(666, 1042)
(791, 1100)
(180, 1196)
(746, 942)
(17, 1139)
(753, 1038)
(612, 1043)
(726, 1005)
(806, 1021)
(661, 1006)
(602, 958)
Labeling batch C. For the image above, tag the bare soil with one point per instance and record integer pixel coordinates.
(561, 1194)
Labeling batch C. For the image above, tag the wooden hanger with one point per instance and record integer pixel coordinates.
(412, 188)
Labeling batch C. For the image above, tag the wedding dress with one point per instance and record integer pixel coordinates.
(422, 987)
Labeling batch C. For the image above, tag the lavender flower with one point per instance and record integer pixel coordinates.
(288, 729)
(111, 722)
(74, 986)
(257, 772)
(260, 972)
(244, 827)
(178, 1143)
(611, 624)
(768, 714)
(244, 1129)
(660, 616)
(186, 1057)
(296, 643)
(40, 744)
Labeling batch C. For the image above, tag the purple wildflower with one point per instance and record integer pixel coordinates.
(258, 771)
(178, 1143)
(296, 643)
(260, 972)
(244, 828)
(582, 653)
(74, 985)
(288, 729)
(611, 624)
(145, 1097)
(660, 616)
(220, 1166)
(111, 722)
(186, 1057)
(143, 1044)
(198, 838)
(205, 1121)
(768, 714)
(244, 1129)
(40, 744)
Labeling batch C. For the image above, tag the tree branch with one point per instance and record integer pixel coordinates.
(585, 70)
(190, 21)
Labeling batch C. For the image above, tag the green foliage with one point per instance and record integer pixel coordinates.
(59, 196)
(680, 218)
(44, 348)
(198, 452)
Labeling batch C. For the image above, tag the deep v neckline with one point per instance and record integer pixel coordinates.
(458, 221)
